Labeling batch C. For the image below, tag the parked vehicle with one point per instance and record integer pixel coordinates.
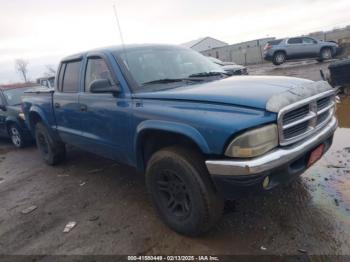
(340, 75)
(46, 81)
(230, 67)
(12, 123)
(278, 51)
(198, 135)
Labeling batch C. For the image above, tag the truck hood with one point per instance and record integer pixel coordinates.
(248, 91)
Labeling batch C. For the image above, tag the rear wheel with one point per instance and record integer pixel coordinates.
(16, 136)
(346, 90)
(182, 192)
(53, 152)
(279, 58)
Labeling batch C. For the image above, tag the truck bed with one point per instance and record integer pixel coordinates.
(40, 101)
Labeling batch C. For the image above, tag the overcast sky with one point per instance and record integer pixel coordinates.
(42, 31)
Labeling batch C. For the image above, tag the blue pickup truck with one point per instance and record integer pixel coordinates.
(198, 135)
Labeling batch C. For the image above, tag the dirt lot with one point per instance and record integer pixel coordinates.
(114, 216)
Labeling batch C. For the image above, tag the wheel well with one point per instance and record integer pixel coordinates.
(153, 140)
(34, 118)
(280, 51)
(326, 47)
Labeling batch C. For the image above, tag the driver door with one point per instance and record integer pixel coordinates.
(105, 116)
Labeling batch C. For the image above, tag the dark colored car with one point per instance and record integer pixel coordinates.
(232, 69)
(340, 75)
(12, 123)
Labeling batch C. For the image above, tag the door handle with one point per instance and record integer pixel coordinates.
(83, 108)
(57, 105)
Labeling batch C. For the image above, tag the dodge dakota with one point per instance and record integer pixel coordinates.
(199, 136)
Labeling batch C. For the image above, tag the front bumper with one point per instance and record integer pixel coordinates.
(284, 162)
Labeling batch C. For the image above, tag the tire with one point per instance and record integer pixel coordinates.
(346, 90)
(182, 192)
(279, 58)
(325, 54)
(53, 152)
(17, 136)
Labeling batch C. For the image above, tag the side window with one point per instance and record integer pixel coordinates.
(307, 40)
(71, 77)
(1, 100)
(96, 69)
(60, 76)
(293, 41)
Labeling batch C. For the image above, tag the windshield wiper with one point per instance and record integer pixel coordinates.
(169, 80)
(206, 74)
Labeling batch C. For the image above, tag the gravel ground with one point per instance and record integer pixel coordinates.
(114, 216)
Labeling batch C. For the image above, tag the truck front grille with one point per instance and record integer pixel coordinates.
(299, 120)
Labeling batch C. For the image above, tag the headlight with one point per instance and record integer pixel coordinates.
(254, 143)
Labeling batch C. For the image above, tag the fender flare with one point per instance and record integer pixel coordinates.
(171, 127)
(39, 111)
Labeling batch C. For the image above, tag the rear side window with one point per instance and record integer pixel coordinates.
(307, 40)
(275, 42)
(294, 41)
(71, 77)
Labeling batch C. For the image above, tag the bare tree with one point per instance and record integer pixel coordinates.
(21, 67)
(50, 71)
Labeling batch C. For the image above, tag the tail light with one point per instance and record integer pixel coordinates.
(267, 47)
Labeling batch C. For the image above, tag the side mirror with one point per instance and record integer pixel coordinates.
(103, 86)
(3, 107)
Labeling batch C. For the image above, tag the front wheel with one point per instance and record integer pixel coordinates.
(182, 192)
(326, 53)
(53, 152)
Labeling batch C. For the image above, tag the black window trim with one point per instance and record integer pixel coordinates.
(64, 63)
(60, 75)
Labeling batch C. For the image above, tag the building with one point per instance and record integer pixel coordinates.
(204, 43)
(250, 52)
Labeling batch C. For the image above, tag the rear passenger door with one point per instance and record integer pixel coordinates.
(294, 47)
(66, 104)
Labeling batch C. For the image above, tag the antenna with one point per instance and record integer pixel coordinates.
(120, 33)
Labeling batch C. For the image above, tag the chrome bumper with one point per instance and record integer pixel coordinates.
(271, 160)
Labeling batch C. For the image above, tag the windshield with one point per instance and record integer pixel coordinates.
(152, 68)
(13, 96)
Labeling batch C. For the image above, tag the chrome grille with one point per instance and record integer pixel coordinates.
(299, 120)
(296, 114)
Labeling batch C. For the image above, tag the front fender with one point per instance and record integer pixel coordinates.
(174, 127)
